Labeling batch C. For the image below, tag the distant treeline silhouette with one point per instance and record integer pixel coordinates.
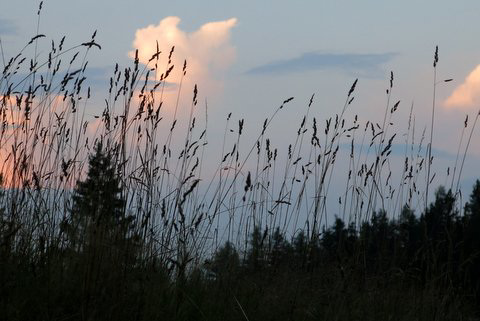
(98, 270)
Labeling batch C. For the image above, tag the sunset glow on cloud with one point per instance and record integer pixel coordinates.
(467, 94)
(48, 114)
(208, 51)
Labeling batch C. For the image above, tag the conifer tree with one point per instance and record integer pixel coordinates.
(100, 235)
(98, 206)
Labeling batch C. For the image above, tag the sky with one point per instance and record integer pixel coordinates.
(248, 56)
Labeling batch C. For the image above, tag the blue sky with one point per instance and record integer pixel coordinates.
(277, 49)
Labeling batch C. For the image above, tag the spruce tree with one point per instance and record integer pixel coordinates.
(100, 235)
(98, 207)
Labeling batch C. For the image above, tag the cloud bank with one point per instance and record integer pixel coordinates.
(208, 50)
(467, 94)
(367, 64)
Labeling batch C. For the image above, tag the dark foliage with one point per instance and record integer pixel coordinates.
(98, 274)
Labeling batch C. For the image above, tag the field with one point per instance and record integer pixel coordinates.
(118, 215)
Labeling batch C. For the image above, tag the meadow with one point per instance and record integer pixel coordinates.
(113, 216)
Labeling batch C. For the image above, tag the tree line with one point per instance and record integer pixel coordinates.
(417, 265)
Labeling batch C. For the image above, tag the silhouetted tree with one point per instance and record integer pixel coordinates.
(472, 239)
(100, 235)
(98, 207)
(301, 251)
(280, 250)
(256, 252)
(438, 225)
(409, 238)
(226, 261)
(333, 239)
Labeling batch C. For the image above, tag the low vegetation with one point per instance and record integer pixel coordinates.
(110, 216)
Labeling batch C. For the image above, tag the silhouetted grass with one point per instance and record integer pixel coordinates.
(250, 241)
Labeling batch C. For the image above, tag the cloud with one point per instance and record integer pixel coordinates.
(208, 51)
(367, 64)
(42, 132)
(96, 77)
(7, 27)
(467, 94)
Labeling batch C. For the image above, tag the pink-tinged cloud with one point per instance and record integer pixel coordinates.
(467, 94)
(208, 51)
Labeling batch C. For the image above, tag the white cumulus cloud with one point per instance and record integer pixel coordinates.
(467, 94)
(208, 51)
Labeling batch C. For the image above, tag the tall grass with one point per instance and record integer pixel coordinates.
(180, 215)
